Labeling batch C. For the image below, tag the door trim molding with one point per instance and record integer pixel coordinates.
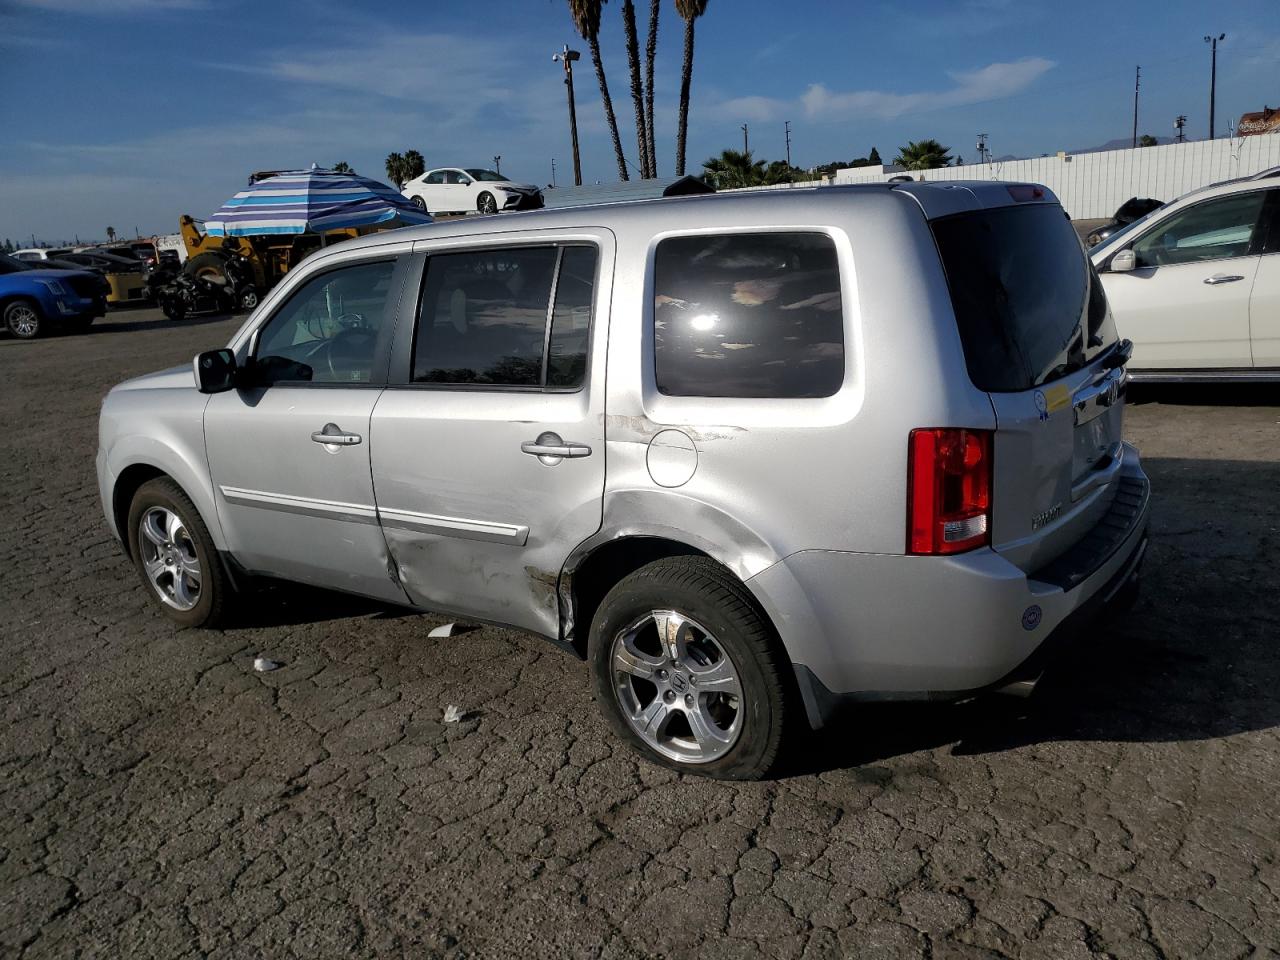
(461, 527)
(306, 506)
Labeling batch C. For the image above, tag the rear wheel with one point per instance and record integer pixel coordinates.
(486, 204)
(209, 265)
(23, 319)
(175, 556)
(688, 672)
(248, 298)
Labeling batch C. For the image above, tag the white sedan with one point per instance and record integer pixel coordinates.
(1195, 284)
(463, 190)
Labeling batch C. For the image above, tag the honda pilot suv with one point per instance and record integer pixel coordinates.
(752, 456)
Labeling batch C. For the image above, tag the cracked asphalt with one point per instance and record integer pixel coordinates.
(159, 798)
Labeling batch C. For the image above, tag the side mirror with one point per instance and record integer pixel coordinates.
(215, 371)
(1123, 262)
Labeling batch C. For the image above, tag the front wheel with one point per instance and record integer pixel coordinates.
(248, 298)
(420, 204)
(486, 203)
(23, 319)
(175, 556)
(688, 672)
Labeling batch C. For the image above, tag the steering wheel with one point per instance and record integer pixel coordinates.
(349, 347)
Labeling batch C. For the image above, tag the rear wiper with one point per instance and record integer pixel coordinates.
(1118, 355)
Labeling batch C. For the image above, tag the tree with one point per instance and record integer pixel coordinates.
(923, 155)
(586, 17)
(111, 233)
(690, 10)
(342, 167)
(735, 168)
(414, 165)
(395, 170)
(873, 158)
(637, 86)
(650, 54)
(1147, 140)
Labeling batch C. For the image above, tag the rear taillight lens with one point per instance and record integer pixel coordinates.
(948, 490)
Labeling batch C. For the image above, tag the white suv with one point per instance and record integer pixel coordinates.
(459, 190)
(1195, 284)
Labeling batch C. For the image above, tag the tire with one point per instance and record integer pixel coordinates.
(486, 204)
(248, 298)
(174, 309)
(421, 204)
(196, 596)
(210, 265)
(22, 318)
(734, 743)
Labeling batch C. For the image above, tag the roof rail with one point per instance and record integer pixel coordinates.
(1266, 174)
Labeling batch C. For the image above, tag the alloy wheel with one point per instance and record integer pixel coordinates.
(169, 558)
(23, 321)
(677, 687)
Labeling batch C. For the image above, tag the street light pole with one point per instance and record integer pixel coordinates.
(788, 131)
(1137, 78)
(1213, 75)
(567, 56)
(497, 163)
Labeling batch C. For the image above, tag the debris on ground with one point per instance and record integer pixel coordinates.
(453, 714)
(264, 665)
(451, 629)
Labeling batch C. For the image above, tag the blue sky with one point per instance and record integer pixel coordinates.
(131, 112)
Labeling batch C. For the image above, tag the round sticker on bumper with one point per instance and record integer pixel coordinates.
(1031, 617)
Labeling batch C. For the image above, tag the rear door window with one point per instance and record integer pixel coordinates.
(1028, 304)
(748, 315)
(517, 317)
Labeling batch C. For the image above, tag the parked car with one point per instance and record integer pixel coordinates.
(124, 275)
(41, 253)
(1196, 284)
(1135, 208)
(458, 190)
(34, 301)
(753, 456)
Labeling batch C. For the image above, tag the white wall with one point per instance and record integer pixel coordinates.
(1093, 185)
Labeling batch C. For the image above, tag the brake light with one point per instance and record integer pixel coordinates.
(1025, 193)
(948, 490)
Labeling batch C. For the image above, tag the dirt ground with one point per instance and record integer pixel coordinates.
(159, 798)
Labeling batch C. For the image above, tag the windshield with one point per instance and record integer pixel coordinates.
(10, 264)
(1028, 304)
(485, 175)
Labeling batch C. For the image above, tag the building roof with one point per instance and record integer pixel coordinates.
(1266, 120)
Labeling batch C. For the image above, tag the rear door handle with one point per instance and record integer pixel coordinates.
(1222, 278)
(550, 449)
(332, 434)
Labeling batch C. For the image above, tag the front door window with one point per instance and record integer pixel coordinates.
(1212, 230)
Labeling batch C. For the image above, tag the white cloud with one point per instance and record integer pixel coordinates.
(992, 82)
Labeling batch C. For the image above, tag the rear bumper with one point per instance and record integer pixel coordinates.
(896, 627)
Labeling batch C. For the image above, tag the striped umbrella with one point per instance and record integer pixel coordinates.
(312, 201)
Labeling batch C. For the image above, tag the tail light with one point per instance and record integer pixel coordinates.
(948, 490)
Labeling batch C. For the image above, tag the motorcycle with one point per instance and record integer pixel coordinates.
(213, 282)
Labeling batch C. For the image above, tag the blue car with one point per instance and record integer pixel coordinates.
(35, 301)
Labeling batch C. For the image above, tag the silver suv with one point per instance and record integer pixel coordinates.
(752, 456)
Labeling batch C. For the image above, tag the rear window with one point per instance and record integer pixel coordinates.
(1029, 306)
(748, 315)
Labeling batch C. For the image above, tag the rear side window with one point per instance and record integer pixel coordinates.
(516, 317)
(748, 315)
(1028, 304)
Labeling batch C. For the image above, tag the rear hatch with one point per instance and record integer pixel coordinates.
(1039, 339)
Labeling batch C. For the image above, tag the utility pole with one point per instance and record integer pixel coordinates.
(982, 148)
(553, 171)
(745, 146)
(1213, 75)
(567, 56)
(497, 163)
(1137, 79)
(1179, 122)
(788, 131)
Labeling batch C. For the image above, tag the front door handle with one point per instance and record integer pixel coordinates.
(1222, 278)
(333, 435)
(550, 449)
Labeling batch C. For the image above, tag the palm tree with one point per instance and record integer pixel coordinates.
(923, 155)
(342, 167)
(414, 165)
(690, 10)
(637, 88)
(650, 54)
(395, 170)
(734, 168)
(586, 17)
